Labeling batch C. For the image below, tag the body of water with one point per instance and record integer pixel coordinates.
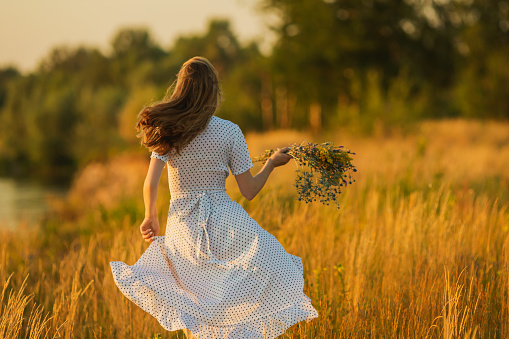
(23, 202)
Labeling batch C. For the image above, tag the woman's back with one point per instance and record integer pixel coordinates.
(203, 164)
(215, 271)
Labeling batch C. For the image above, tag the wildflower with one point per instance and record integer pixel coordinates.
(321, 170)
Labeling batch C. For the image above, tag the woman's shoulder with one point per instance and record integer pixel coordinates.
(223, 123)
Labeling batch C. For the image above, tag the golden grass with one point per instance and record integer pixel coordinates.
(419, 248)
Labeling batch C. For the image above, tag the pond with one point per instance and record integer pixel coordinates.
(24, 202)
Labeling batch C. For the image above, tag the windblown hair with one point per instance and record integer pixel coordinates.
(185, 111)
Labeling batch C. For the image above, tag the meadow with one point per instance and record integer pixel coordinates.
(418, 249)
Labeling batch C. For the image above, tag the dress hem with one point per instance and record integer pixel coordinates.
(172, 319)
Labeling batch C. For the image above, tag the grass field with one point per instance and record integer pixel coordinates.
(419, 248)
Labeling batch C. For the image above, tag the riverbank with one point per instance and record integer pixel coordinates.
(23, 202)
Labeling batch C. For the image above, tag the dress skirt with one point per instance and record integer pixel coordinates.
(217, 273)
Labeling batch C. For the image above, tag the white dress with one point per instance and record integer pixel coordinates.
(215, 272)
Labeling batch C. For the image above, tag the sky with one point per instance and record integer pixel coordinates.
(29, 29)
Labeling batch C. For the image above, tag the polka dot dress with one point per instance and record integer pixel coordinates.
(215, 272)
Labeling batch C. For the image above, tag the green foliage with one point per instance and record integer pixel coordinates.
(344, 44)
(391, 62)
(369, 65)
(136, 58)
(81, 106)
(7, 75)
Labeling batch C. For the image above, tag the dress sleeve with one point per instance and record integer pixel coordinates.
(239, 160)
(164, 158)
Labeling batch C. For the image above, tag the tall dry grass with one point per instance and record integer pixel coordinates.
(419, 248)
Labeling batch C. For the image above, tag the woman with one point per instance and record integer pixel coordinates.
(215, 273)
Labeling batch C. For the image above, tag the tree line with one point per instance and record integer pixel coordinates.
(365, 65)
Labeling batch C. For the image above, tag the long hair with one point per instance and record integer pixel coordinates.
(184, 112)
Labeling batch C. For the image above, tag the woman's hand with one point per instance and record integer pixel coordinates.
(149, 228)
(280, 158)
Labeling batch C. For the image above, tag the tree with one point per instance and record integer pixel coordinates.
(324, 47)
(135, 57)
(7, 75)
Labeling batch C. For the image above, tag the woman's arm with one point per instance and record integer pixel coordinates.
(150, 225)
(250, 186)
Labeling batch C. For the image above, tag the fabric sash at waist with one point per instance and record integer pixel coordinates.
(200, 199)
(195, 192)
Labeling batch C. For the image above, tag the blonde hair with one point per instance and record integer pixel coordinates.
(185, 111)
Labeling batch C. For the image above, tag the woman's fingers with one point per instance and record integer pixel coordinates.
(284, 154)
(283, 150)
(151, 237)
(146, 231)
(149, 229)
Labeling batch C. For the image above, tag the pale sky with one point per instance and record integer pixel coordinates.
(30, 28)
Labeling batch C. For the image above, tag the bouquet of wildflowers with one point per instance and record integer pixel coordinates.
(322, 170)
